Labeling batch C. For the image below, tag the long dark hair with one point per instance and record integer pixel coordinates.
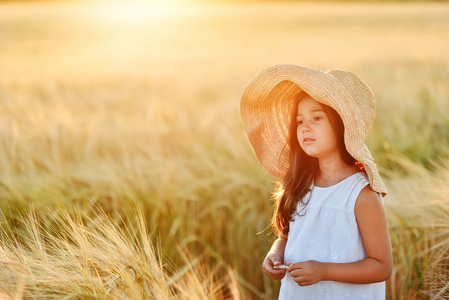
(303, 169)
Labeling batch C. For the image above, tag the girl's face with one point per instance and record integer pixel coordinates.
(314, 130)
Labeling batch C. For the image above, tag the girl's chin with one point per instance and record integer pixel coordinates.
(315, 154)
(312, 154)
(307, 150)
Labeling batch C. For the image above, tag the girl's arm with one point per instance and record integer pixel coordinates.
(377, 265)
(275, 257)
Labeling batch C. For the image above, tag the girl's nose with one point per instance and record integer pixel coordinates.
(305, 127)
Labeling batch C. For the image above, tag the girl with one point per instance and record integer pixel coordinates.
(308, 129)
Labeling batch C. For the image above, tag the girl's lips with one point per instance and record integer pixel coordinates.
(308, 140)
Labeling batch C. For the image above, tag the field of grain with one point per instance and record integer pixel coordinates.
(124, 170)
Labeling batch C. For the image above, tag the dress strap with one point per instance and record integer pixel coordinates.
(359, 184)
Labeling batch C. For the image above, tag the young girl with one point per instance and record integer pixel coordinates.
(308, 129)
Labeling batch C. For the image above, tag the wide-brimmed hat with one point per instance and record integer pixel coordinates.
(267, 104)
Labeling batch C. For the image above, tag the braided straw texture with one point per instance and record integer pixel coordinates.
(267, 104)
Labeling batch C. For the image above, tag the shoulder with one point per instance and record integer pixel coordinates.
(361, 178)
(368, 201)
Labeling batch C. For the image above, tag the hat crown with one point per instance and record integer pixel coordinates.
(360, 94)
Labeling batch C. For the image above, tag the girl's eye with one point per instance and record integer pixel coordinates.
(317, 118)
(300, 122)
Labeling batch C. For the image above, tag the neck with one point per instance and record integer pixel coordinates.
(333, 170)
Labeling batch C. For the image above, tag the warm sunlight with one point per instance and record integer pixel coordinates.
(125, 170)
(138, 10)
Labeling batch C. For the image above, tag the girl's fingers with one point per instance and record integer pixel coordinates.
(294, 267)
(277, 275)
(301, 280)
(275, 272)
(271, 260)
(275, 260)
(270, 272)
(296, 272)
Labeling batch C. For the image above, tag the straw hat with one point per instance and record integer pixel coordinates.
(267, 104)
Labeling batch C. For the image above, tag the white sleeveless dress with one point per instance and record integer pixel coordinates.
(328, 232)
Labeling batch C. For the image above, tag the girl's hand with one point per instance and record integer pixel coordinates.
(273, 259)
(306, 272)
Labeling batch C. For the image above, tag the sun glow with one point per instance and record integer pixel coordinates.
(139, 10)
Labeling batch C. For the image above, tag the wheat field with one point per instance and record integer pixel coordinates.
(124, 169)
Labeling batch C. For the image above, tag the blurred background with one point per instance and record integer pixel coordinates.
(130, 110)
